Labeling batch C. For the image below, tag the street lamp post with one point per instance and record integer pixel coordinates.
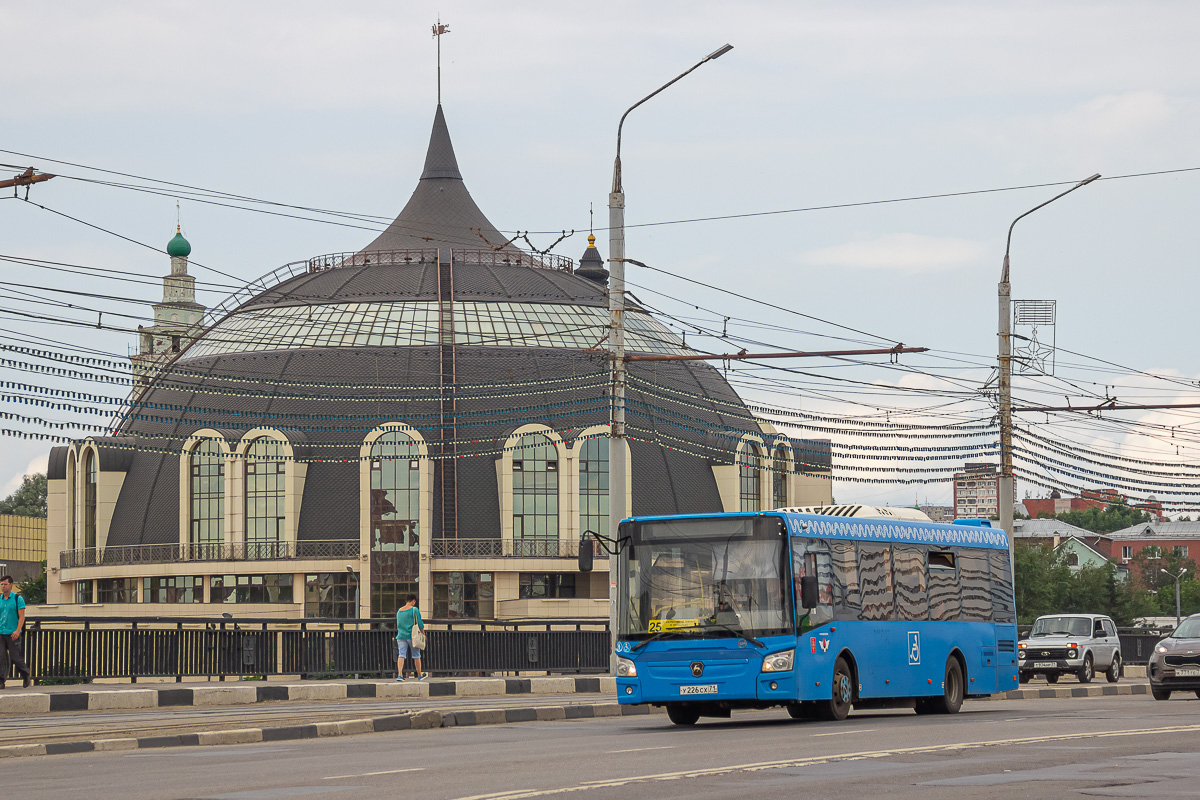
(1007, 488)
(618, 479)
(1178, 616)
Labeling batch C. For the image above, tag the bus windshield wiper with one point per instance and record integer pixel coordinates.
(648, 640)
(741, 634)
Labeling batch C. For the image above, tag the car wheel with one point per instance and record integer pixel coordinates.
(681, 714)
(1160, 693)
(838, 706)
(1051, 677)
(1024, 676)
(1114, 669)
(1085, 672)
(1198, 693)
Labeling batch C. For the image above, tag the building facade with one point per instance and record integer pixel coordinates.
(977, 492)
(427, 415)
(22, 546)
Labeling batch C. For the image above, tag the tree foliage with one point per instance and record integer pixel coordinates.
(1046, 584)
(29, 500)
(33, 588)
(1114, 517)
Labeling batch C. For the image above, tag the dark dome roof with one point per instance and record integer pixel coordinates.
(327, 398)
(373, 281)
(440, 212)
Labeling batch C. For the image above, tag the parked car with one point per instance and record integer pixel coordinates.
(1175, 663)
(1070, 644)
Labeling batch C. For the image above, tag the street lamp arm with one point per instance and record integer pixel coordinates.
(617, 164)
(1008, 242)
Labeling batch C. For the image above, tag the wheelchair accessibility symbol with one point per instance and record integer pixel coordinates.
(914, 648)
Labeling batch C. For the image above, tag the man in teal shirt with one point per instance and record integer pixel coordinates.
(12, 630)
(408, 616)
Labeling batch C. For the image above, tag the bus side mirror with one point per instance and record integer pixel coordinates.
(809, 591)
(585, 553)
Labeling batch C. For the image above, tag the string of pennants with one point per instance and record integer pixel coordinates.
(1039, 441)
(1041, 481)
(127, 367)
(394, 392)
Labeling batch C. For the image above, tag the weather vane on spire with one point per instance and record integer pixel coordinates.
(438, 30)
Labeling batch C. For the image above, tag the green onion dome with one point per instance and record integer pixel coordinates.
(179, 246)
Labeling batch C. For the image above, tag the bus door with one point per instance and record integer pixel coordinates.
(814, 646)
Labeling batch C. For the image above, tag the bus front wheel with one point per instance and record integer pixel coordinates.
(837, 707)
(682, 714)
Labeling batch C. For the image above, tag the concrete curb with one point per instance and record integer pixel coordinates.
(420, 720)
(1065, 692)
(33, 701)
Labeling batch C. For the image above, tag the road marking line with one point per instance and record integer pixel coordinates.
(522, 794)
(368, 774)
(844, 733)
(640, 749)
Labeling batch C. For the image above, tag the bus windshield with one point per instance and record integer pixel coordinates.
(697, 578)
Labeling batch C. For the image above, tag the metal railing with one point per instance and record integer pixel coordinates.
(508, 257)
(69, 649)
(507, 548)
(179, 553)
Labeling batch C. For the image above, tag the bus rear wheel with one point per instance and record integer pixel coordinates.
(682, 714)
(838, 706)
(952, 692)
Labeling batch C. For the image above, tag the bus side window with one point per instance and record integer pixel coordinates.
(912, 593)
(846, 601)
(943, 585)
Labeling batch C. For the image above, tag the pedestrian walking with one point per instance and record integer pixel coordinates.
(12, 633)
(408, 617)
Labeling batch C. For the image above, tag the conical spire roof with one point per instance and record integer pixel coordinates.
(440, 212)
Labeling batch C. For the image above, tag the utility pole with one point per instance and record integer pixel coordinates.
(618, 479)
(1007, 486)
(26, 179)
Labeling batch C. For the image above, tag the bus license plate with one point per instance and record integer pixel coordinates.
(1043, 664)
(1187, 673)
(708, 688)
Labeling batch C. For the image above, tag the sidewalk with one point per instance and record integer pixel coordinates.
(110, 697)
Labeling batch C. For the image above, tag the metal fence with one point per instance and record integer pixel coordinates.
(74, 648)
(177, 553)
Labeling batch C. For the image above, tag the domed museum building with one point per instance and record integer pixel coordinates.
(427, 415)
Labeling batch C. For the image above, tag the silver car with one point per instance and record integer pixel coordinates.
(1070, 644)
(1175, 662)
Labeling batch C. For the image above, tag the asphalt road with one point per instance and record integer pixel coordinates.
(1093, 747)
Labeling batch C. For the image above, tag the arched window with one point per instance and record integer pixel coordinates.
(265, 491)
(72, 534)
(91, 479)
(395, 520)
(779, 475)
(749, 462)
(593, 486)
(535, 496)
(207, 530)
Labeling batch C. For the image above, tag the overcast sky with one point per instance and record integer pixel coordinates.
(819, 104)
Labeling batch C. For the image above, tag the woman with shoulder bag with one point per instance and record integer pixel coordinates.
(410, 637)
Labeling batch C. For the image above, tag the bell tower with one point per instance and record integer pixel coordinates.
(178, 318)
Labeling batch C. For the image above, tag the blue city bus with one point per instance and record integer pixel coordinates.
(816, 613)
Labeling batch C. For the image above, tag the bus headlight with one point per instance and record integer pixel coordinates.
(626, 668)
(779, 662)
